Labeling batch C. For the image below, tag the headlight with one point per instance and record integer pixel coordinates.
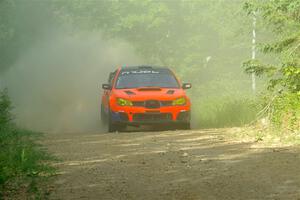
(123, 102)
(179, 102)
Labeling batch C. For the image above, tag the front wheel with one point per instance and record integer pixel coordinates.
(103, 116)
(184, 126)
(114, 126)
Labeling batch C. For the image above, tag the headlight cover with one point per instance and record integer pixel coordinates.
(123, 102)
(179, 102)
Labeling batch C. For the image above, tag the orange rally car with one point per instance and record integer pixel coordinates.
(145, 95)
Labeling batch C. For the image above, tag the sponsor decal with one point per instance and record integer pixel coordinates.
(140, 72)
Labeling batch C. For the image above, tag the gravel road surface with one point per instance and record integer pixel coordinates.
(196, 164)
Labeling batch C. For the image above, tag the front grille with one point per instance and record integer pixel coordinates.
(149, 117)
(151, 103)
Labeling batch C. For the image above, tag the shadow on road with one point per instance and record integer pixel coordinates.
(172, 165)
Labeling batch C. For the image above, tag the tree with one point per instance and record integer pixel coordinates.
(22, 23)
(283, 16)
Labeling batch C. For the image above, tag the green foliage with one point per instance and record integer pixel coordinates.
(260, 69)
(22, 23)
(283, 17)
(173, 33)
(20, 157)
(286, 113)
(5, 107)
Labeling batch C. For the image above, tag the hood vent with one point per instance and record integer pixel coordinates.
(129, 92)
(170, 92)
(149, 89)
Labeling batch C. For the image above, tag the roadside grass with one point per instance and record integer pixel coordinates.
(278, 122)
(224, 111)
(242, 111)
(24, 164)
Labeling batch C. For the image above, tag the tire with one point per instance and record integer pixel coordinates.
(113, 127)
(184, 126)
(103, 116)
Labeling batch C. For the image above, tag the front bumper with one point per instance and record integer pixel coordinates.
(151, 117)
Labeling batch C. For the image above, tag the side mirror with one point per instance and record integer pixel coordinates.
(186, 86)
(106, 86)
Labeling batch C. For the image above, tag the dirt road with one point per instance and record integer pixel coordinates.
(198, 164)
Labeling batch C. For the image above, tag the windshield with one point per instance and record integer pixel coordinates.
(137, 78)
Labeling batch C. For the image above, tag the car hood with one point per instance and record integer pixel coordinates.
(141, 94)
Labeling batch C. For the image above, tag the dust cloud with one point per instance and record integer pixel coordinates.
(56, 84)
